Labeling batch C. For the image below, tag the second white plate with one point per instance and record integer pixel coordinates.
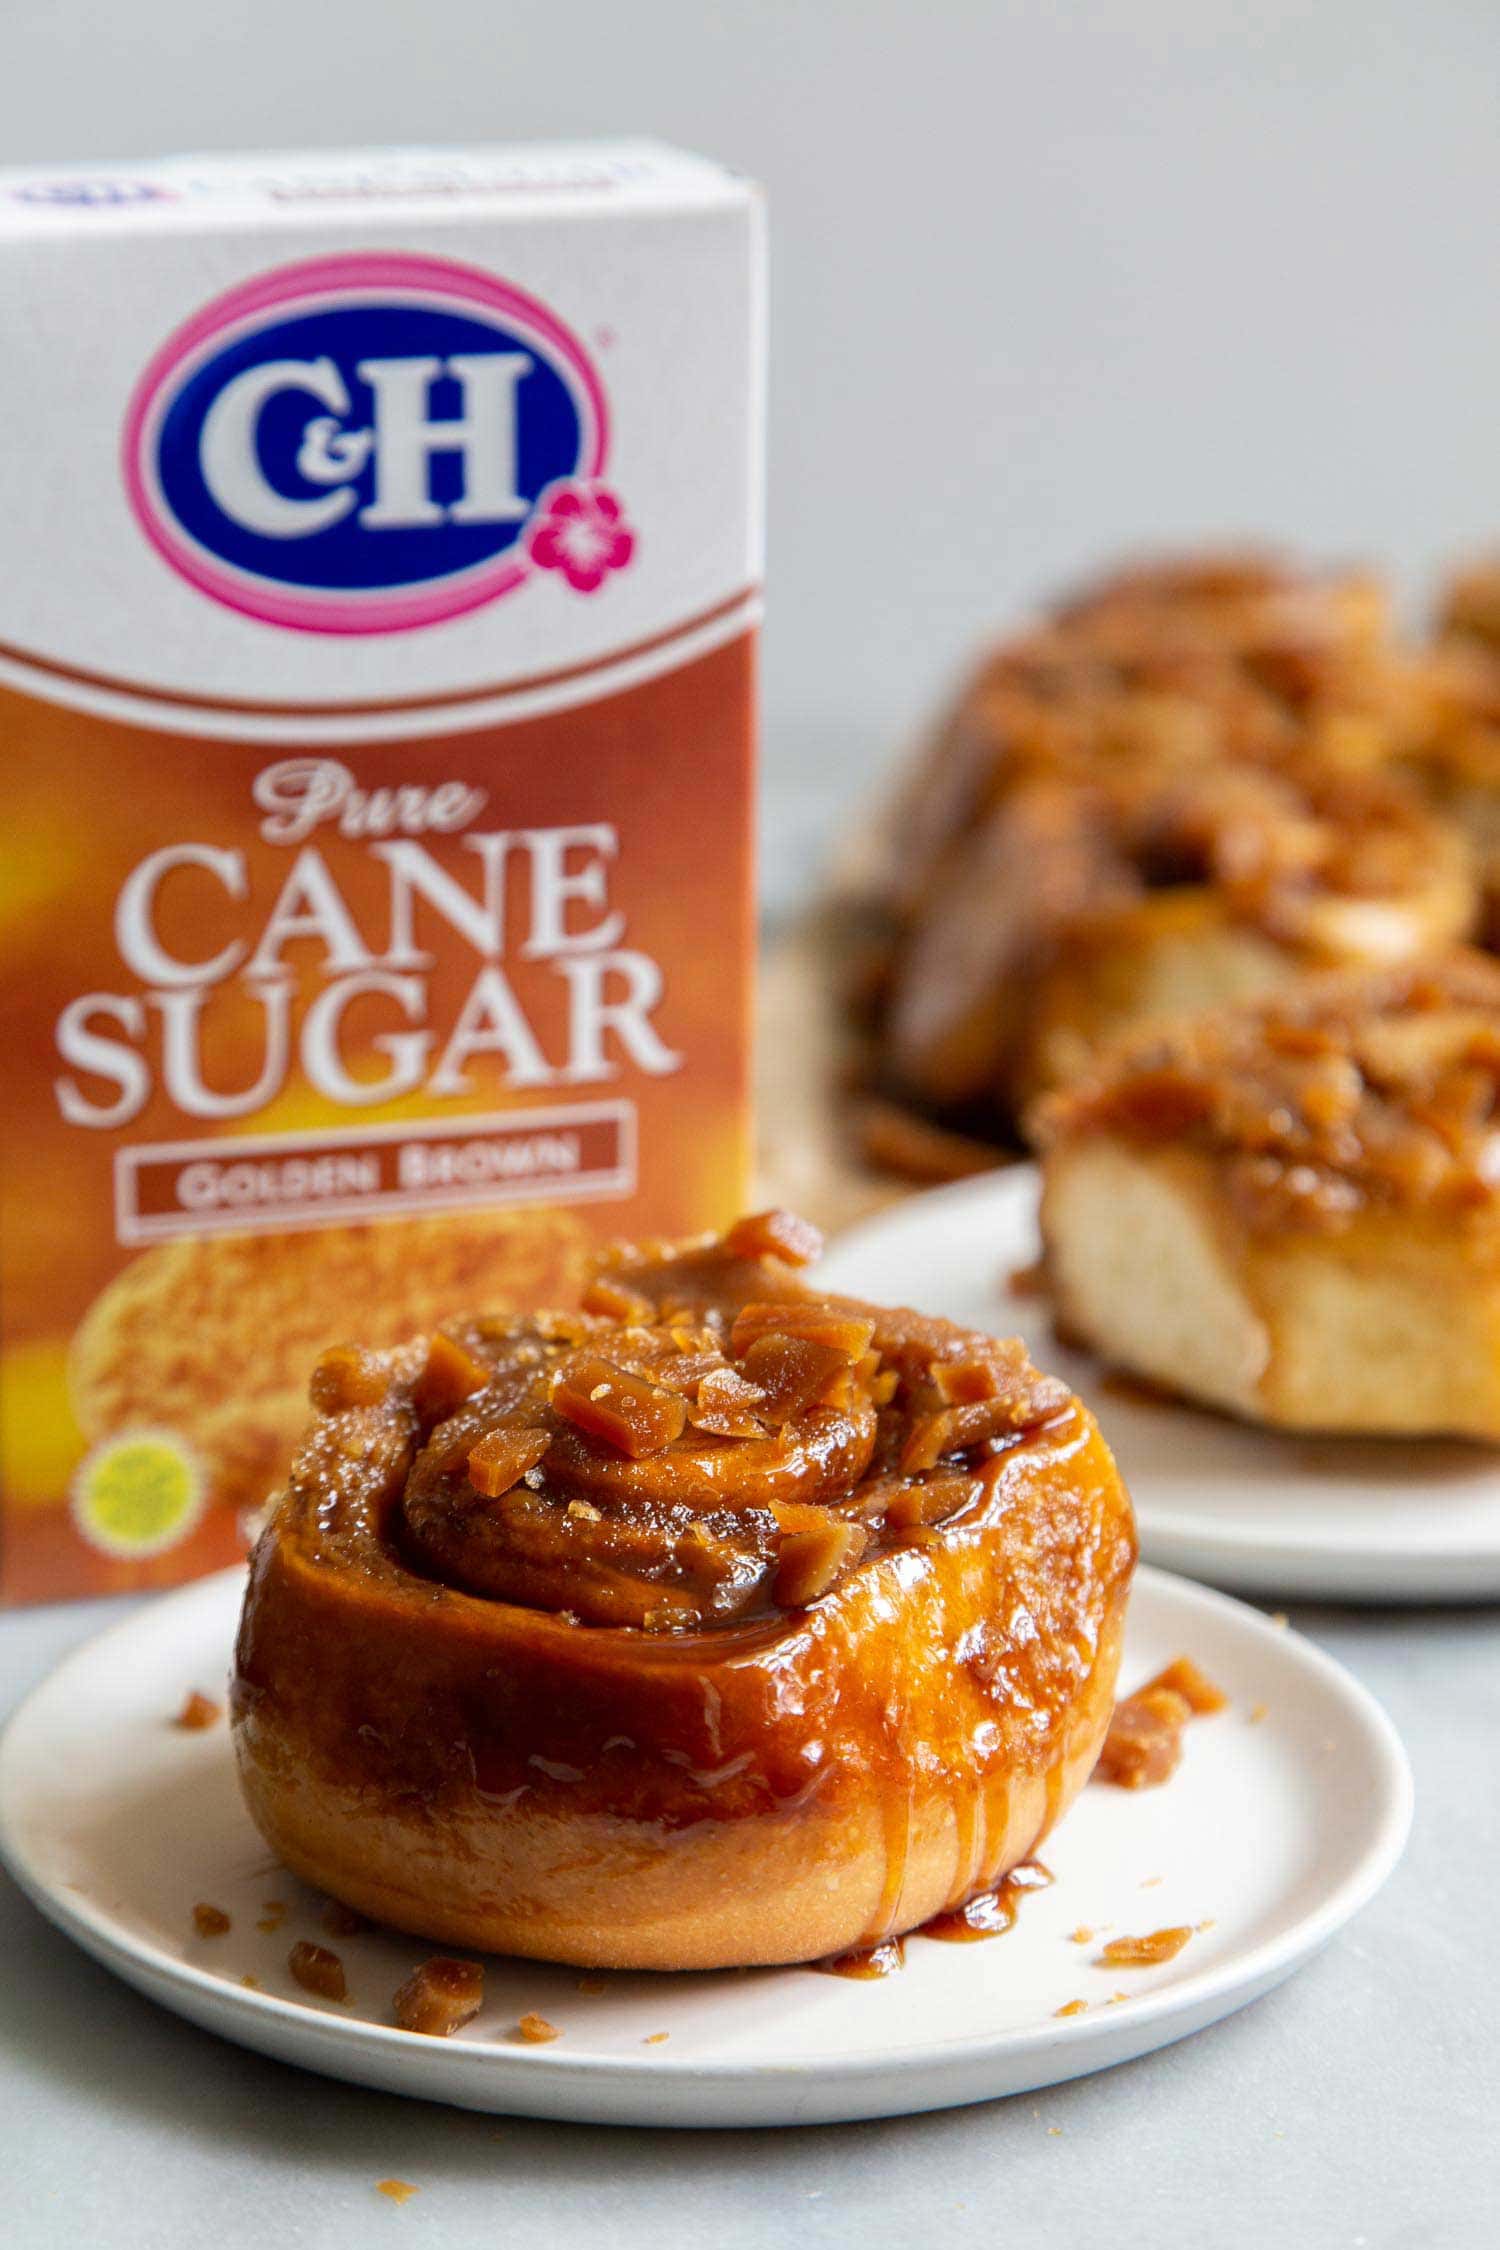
(1379, 1519)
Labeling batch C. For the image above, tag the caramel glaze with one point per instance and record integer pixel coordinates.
(604, 1637)
(1184, 664)
(1213, 749)
(868, 1963)
(1358, 1091)
(1064, 869)
(989, 1913)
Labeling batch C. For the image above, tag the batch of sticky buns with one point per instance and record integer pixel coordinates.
(718, 1621)
(1192, 893)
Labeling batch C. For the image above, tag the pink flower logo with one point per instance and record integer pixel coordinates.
(580, 529)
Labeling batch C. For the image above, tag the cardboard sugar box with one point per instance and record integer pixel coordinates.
(377, 710)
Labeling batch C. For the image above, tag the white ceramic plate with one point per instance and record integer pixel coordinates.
(1376, 1519)
(1288, 1812)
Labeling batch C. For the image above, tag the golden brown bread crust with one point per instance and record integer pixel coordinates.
(1292, 1209)
(760, 1779)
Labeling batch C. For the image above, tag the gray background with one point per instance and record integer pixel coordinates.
(1047, 281)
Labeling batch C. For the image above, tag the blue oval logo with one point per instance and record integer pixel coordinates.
(373, 442)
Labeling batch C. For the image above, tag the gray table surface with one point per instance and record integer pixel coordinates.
(1357, 2105)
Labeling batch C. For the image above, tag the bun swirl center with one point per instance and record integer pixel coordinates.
(708, 1442)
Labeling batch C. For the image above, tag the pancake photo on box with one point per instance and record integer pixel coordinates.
(210, 1337)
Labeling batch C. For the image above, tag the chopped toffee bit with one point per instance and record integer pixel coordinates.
(813, 1561)
(794, 1373)
(636, 1417)
(340, 1920)
(775, 1234)
(811, 1322)
(1083, 1935)
(502, 1458)
(396, 2191)
(440, 1997)
(1183, 1677)
(655, 2038)
(450, 1376)
(592, 1987)
(536, 2031)
(272, 1914)
(611, 1300)
(198, 1711)
(348, 1376)
(251, 1984)
(914, 1506)
(210, 1921)
(317, 1970)
(1072, 2008)
(1143, 1952)
(1143, 1747)
(966, 1382)
(725, 1405)
(981, 1421)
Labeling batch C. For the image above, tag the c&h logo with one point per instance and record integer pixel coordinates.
(367, 443)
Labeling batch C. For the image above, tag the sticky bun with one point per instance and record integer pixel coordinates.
(1075, 911)
(717, 1623)
(1452, 744)
(1184, 788)
(1291, 1209)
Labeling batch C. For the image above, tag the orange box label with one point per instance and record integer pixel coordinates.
(376, 755)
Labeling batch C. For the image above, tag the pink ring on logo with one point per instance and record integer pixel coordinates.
(309, 612)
